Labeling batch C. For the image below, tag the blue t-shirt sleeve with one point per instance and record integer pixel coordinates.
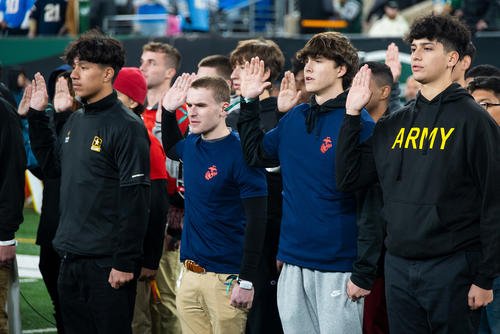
(251, 181)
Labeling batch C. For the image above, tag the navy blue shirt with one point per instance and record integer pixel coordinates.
(50, 16)
(216, 179)
(318, 228)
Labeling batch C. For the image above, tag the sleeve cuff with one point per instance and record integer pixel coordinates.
(12, 242)
(483, 282)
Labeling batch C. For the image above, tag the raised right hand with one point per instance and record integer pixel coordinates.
(253, 79)
(359, 93)
(63, 100)
(24, 105)
(289, 95)
(175, 97)
(39, 98)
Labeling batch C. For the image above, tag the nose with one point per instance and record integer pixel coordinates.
(235, 73)
(74, 74)
(307, 66)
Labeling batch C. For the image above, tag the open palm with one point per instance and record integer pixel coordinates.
(175, 97)
(39, 98)
(288, 96)
(359, 93)
(24, 105)
(253, 78)
(63, 100)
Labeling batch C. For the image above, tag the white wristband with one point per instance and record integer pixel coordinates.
(12, 242)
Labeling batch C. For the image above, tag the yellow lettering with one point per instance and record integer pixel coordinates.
(425, 135)
(412, 137)
(399, 138)
(445, 136)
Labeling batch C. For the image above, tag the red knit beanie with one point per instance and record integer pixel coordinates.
(131, 82)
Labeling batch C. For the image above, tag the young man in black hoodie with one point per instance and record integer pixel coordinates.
(437, 162)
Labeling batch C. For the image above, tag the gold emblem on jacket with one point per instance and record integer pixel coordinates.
(96, 144)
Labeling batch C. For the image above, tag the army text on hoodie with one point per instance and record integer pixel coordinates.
(438, 166)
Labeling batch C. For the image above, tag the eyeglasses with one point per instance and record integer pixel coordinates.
(487, 105)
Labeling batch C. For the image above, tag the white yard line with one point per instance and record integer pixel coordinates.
(28, 266)
(42, 330)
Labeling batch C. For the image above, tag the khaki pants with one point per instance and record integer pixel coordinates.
(204, 305)
(4, 289)
(142, 308)
(164, 314)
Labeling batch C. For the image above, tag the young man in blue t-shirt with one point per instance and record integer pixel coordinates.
(318, 290)
(224, 222)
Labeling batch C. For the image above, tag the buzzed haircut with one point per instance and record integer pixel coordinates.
(445, 29)
(221, 64)
(218, 86)
(98, 48)
(380, 72)
(173, 55)
(334, 46)
(484, 70)
(265, 49)
(485, 83)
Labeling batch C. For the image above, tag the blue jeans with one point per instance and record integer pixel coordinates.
(490, 317)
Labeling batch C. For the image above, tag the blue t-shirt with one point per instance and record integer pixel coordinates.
(318, 228)
(216, 179)
(15, 11)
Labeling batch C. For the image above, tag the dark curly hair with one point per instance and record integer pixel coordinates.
(445, 29)
(97, 48)
(334, 46)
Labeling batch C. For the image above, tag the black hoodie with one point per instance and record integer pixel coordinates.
(438, 166)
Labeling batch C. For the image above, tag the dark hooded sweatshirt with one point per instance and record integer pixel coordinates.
(318, 228)
(438, 166)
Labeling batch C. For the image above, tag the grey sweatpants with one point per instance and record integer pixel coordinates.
(311, 301)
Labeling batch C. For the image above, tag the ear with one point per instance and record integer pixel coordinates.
(224, 106)
(386, 92)
(132, 104)
(466, 62)
(267, 74)
(342, 71)
(170, 73)
(109, 74)
(453, 58)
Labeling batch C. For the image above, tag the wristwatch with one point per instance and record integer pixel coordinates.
(246, 285)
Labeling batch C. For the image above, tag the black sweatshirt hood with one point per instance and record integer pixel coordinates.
(315, 108)
(452, 93)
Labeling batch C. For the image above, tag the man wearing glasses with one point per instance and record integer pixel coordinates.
(486, 92)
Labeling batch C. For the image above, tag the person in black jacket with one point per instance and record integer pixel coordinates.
(103, 161)
(437, 162)
(50, 261)
(12, 167)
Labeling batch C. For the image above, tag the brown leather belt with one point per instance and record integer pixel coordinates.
(194, 267)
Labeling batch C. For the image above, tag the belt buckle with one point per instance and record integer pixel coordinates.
(194, 267)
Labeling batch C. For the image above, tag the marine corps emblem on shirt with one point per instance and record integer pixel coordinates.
(96, 144)
(211, 172)
(326, 145)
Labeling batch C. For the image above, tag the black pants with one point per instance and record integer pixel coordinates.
(49, 268)
(88, 302)
(430, 296)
